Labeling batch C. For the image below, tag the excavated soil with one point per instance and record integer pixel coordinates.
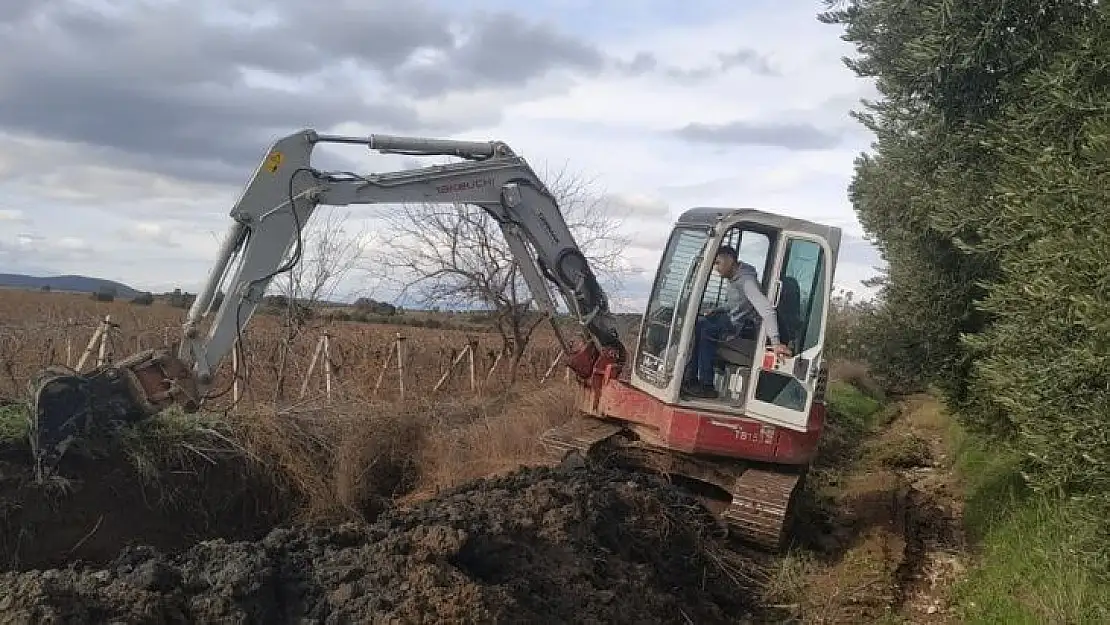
(537, 546)
(93, 506)
(214, 541)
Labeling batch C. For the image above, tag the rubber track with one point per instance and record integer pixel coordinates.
(579, 434)
(761, 505)
(761, 500)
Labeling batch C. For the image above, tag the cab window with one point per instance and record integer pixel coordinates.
(666, 310)
(753, 248)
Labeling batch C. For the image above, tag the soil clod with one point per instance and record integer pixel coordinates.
(536, 546)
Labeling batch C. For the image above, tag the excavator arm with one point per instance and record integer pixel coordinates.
(283, 194)
(265, 239)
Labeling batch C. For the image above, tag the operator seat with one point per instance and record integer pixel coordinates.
(741, 350)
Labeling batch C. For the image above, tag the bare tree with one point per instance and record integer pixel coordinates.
(455, 255)
(329, 251)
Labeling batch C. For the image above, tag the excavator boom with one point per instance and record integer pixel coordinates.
(265, 239)
(285, 190)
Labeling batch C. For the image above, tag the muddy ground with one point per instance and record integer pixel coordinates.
(93, 506)
(220, 541)
(537, 546)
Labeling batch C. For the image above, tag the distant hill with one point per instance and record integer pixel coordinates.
(79, 284)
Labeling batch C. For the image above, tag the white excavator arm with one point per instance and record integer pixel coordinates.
(272, 212)
(265, 239)
(280, 199)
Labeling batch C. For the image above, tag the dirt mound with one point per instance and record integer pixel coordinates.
(537, 546)
(95, 505)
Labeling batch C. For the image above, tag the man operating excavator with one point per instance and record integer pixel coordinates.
(744, 302)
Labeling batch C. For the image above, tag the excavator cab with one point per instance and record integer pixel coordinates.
(794, 261)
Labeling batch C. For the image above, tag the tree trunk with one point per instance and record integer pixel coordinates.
(293, 328)
(283, 360)
(518, 354)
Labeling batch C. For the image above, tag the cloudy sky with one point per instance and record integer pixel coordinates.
(127, 128)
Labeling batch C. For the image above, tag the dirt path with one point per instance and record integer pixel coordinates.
(886, 544)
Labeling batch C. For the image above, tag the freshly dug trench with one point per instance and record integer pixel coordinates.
(537, 546)
(178, 479)
(95, 505)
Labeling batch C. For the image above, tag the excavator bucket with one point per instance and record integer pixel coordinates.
(67, 403)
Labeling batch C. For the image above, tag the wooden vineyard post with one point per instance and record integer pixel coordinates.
(451, 368)
(329, 369)
(105, 350)
(551, 369)
(496, 361)
(468, 353)
(312, 366)
(400, 366)
(323, 348)
(93, 341)
(385, 367)
(473, 345)
(101, 341)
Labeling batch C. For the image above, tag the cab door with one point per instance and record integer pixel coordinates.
(661, 329)
(783, 392)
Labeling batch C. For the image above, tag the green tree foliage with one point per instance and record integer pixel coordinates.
(988, 193)
(146, 298)
(845, 338)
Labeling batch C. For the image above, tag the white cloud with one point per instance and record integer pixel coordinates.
(639, 205)
(72, 243)
(147, 232)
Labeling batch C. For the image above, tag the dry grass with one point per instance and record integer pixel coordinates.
(499, 440)
(351, 461)
(906, 451)
(344, 459)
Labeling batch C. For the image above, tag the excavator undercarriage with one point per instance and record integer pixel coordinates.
(754, 503)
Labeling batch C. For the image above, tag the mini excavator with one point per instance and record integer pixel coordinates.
(748, 448)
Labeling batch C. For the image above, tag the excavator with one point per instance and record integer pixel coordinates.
(745, 451)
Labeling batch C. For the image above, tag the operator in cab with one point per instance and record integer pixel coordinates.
(744, 302)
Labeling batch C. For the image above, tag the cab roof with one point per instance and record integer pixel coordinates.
(712, 216)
